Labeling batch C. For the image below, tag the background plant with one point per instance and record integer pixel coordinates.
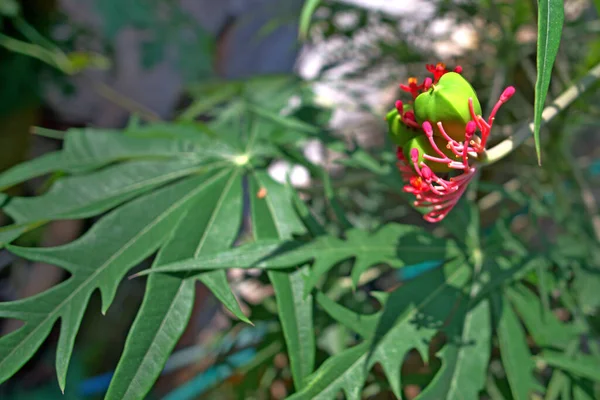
(498, 301)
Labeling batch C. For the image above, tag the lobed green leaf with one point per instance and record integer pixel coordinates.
(97, 260)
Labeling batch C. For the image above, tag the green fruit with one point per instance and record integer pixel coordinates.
(421, 143)
(398, 131)
(448, 102)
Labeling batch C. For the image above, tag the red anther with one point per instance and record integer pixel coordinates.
(427, 83)
(427, 128)
(399, 107)
(458, 69)
(426, 172)
(507, 94)
(414, 155)
(410, 115)
(470, 128)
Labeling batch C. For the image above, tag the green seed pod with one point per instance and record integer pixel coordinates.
(421, 143)
(448, 102)
(398, 131)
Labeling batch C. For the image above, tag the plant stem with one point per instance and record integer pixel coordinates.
(504, 148)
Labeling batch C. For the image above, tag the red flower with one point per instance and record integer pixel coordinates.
(439, 192)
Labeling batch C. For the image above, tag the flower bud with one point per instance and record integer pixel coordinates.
(448, 102)
(399, 132)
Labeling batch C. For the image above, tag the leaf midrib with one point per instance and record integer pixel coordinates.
(540, 104)
(161, 326)
(302, 355)
(326, 251)
(215, 212)
(459, 357)
(137, 185)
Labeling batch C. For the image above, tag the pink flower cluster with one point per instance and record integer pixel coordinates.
(440, 192)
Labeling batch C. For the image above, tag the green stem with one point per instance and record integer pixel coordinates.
(33, 35)
(56, 60)
(504, 148)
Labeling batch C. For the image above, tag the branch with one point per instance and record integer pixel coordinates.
(505, 147)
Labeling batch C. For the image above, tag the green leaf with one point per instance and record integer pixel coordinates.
(11, 232)
(295, 314)
(411, 317)
(551, 16)
(39, 166)
(254, 255)
(102, 147)
(501, 271)
(585, 288)
(313, 226)
(583, 390)
(545, 328)
(309, 8)
(86, 149)
(82, 196)
(582, 365)
(364, 325)
(493, 390)
(344, 371)
(340, 216)
(274, 217)
(97, 260)
(514, 351)
(210, 222)
(208, 100)
(393, 244)
(9, 8)
(162, 318)
(290, 123)
(559, 379)
(566, 393)
(221, 229)
(361, 159)
(556, 385)
(464, 359)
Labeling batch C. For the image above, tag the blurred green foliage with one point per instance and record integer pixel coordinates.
(503, 301)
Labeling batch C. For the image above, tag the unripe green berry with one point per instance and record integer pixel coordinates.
(448, 102)
(398, 131)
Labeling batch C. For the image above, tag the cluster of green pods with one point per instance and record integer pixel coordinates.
(446, 101)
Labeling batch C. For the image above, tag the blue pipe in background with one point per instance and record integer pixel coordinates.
(211, 377)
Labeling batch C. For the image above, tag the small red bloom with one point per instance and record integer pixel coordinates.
(413, 87)
(437, 70)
